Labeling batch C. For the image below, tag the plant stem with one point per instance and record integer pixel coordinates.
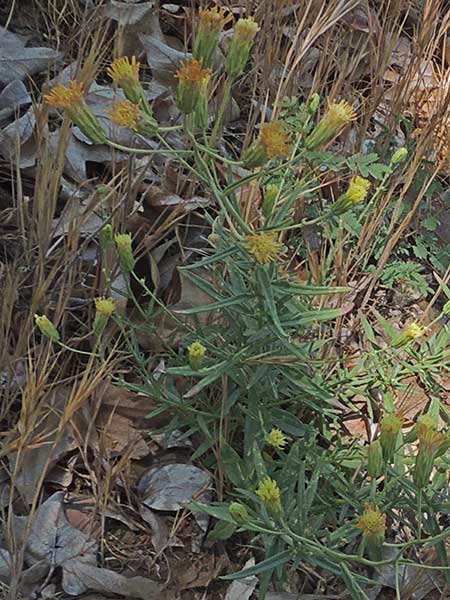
(220, 113)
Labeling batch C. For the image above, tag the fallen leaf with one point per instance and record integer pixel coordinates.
(127, 13)
(160, 533)
(79, 574)
(119, 434)
(12, 98)
(45, 448)
(171, 487)
(19, 62)
(78, 154)
(163, 60)
(244, 588)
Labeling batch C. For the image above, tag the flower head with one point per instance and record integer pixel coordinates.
(373, 527)
(432, 444)
(412, 332)
(213, 19)
(122, 71)
(275, 140)
(356, 193)
(372, 521)
(269, 492)
(240, 46)
(125, 114)
(196, 353)
(105, 306)
(263, 246)
(125, 74)
(71, 100)
(64, 97)
(46, 327)
(245, 30)
(192, 85)
(358, 189)
(125, 251)
(277, 439)
(338, 115)
(210, 24)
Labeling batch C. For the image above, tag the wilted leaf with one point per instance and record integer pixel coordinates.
(119, 435)
(18, 62)
(163, 60)
(127, 13)
(243, 589)
(14, 140)
(160, 534)
(173, 486)
(78, 154)
(12, 98)
(79, 574)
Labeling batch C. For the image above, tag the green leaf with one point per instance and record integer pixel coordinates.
(222, 531)
(267, 292)
(232, 301)
(218, 511)
(293, 289)
(315, 316)
(269, 564)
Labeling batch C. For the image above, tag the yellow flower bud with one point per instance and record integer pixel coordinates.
(210, 24)
(193, 82)
(412, 332)
(373, 527)
(105, 307)
(240, 46)
(196, 353)
(432, 444)
(125, 251)
(391, 426)
(71, 100)
(270, 494)
(338, 115)
(356, 193)
(46, 327)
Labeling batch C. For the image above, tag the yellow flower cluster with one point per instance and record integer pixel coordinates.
(263, 246)
(372, 521)
(269, 492)
(277, 439)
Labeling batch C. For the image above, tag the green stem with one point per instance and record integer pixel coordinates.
(144, 151)
(75, 350)
(221, 113)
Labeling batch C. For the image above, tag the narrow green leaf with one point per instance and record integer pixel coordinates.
(267, 292)
(269, 564)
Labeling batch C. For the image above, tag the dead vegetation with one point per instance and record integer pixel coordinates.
(92, 492)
